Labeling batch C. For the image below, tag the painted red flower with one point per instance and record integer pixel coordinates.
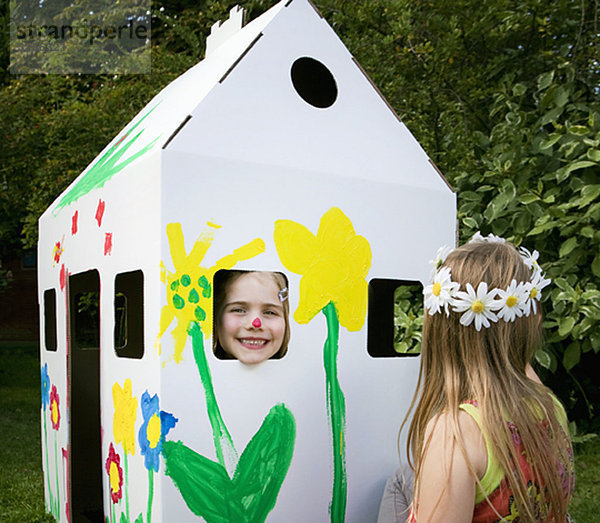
(54, 408)
(115, 474)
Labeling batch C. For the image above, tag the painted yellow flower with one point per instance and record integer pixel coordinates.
(333, 265)
(189, 288)
(124, 417)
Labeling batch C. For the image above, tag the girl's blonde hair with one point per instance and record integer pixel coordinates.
(222, 283)
(460, 364)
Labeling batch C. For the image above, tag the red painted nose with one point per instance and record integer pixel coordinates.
(256, 323)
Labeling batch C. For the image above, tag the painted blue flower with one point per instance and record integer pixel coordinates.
(157, 423)
(45, 386)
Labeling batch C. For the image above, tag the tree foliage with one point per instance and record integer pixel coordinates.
(503, 96)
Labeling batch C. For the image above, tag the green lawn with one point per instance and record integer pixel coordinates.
(21, 484)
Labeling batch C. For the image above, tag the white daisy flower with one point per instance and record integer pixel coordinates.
(534, 288)
(440, 257)
(512, 300)
(530, 258)
(476, 306)
(440, 292)
(491, 238)
(477, 237)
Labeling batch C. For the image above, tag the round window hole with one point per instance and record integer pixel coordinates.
(314, 82)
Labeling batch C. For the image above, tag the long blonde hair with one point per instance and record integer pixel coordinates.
(460, 364)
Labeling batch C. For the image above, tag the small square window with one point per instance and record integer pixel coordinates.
(129, 314)
(50, 320)
(395, 318)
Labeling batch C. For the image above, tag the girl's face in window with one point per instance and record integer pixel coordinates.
(252, 325)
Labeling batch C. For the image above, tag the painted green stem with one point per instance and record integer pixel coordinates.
(222, 439)
(57, 508)
(126, 486)
(150, 494)
(49, 504)
(336, 410)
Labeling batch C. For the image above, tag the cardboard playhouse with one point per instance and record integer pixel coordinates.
(274, 153)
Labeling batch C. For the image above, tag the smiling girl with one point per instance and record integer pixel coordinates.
(251, 316)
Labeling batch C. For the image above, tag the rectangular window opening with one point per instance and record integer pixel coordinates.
(129, 314)
(50, 341)
(251, 313)
(395, 318)
(84, 297)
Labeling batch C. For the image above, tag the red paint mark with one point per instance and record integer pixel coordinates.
(57, 252)
(65, 455)
(74, 223)
(100, 212)
(256, 323)
(120, 140)
(108, 244)
(63, 277)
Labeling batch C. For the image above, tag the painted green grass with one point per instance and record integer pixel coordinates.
(21, 483)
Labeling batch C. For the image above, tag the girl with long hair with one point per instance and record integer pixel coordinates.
(487, 441)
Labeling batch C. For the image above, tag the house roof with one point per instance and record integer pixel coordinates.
(243, 102)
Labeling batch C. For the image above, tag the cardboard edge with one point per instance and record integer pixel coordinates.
(360, 67)
(239, 59)
(437, 170)
(176, 131)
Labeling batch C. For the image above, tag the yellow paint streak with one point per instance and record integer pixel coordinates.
(54, 412)
(333, 265)
(124, 416)
(153, 431)
(115, 482)
(188, 270)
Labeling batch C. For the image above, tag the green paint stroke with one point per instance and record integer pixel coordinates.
(251, 494)
(150, 494)
(49, 503)
(56, 511)
(126, 486)
(336, 410)
(222, 439)
(107, 166)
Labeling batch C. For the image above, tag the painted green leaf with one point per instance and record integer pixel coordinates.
(264, 463)
(203, 484)
(209, 492)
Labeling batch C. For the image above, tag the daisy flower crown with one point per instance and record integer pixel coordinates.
(482, 305)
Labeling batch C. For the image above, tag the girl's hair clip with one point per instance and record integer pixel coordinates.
(283, 294)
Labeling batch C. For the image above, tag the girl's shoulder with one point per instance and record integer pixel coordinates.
(442, 431)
